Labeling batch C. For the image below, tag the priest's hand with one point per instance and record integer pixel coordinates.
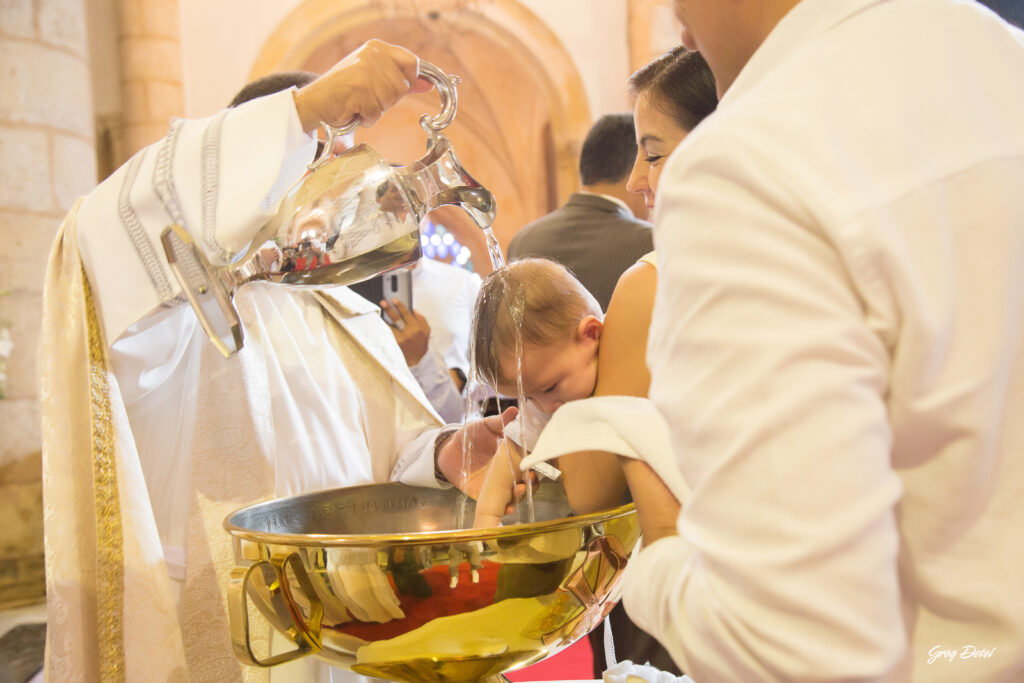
(482, 438)
(363, 85)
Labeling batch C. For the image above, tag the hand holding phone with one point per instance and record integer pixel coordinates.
(396, 285)
(412, 331)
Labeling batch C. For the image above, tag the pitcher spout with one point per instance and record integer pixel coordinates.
(439, 179)
(476, 201)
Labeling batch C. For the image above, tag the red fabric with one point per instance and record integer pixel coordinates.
(443, 601)
(573, 663)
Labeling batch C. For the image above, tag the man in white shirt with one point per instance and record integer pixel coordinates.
(838, 349)
(318, 397)
(443, 297)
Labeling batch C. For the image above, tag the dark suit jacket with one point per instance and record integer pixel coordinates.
(595, 238)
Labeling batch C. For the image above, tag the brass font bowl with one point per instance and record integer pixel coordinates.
(382, 579)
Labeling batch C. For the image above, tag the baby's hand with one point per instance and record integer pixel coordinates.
(503, 485)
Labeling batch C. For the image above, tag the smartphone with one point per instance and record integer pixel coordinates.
(394, 285)
(397, 285)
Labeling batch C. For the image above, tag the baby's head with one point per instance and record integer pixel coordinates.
(560, 323)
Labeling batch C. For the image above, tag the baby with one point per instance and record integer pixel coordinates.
(534, 320)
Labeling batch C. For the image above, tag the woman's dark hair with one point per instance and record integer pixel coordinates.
(680, 85)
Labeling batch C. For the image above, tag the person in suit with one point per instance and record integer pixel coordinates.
(599, 231)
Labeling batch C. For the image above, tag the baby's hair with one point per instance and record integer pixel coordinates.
(538, 296)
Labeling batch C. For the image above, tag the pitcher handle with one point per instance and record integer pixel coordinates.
(445, 85)
(305, 636)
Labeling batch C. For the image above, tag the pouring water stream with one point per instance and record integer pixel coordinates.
(473, 387)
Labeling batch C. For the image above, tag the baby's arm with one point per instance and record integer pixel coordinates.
(496, 493)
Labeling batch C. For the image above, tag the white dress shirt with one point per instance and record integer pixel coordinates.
(445, 295)
(838, 347)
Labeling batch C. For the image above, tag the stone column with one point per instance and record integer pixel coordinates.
(47, 160)
(150, 65)
(653, 30)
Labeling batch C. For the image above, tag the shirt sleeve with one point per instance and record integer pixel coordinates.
(220, 178)
(437, 384)
(417, 462)
(774, 387)
(526, 428)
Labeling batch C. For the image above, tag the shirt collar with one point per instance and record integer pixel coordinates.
(609, 198)
(806, 21)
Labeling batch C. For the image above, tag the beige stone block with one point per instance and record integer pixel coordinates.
(44, 86)
(26, 470)
(74, 169)
(165, 100)
(16, 18)
(162, 18)
(138, 136)
(19, 423)
(130, 17)
(25, 170)
(134, 102)
(22, 313)
(21, 508)
(62, 23)
(150, 59)
(31, 586)
(28, 237)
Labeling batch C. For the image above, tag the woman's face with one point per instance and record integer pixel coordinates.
(657, 134)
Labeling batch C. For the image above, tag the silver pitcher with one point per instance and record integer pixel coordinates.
(353, 216)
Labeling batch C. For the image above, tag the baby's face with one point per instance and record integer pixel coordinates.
(555, 374)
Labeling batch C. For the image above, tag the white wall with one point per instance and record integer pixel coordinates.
(104, 61)
(220, 41)
(595, 33)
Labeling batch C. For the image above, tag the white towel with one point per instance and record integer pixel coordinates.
(624, 425)
(628, 672)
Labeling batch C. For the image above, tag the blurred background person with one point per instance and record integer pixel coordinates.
(600, 231)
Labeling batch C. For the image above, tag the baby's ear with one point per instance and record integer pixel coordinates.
(589, 328)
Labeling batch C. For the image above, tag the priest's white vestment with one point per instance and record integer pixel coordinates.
(151, 437)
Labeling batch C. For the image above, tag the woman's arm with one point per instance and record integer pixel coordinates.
(594, 479)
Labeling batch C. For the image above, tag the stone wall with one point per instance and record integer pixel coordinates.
(47, 159)
(150, 70)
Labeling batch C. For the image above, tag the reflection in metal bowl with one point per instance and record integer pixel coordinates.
(381, 580)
